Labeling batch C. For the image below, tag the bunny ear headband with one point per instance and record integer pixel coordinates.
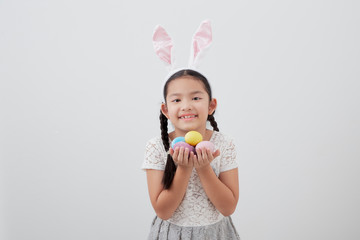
(163, 46)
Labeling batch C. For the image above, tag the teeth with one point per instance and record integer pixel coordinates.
(192, 116)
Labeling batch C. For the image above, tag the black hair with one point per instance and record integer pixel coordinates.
(170, 167)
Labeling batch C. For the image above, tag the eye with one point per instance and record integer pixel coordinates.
(176, 100)
(196, 98)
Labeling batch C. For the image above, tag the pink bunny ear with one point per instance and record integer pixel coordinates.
(202, 39)
(162, 44)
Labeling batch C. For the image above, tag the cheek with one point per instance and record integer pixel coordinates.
(204, 107)
(172, 111)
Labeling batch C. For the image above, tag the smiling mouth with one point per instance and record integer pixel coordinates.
(188, 117)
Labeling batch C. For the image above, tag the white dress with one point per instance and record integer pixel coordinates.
(195, 210)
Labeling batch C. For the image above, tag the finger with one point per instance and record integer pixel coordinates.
(200, 157)
(171, 151)
(175, 154)
(209, 155)
(216, 153)
(181, 155)
(195, 161)
(186, 156)
(204, 155)
(198, 153)
(191, 158)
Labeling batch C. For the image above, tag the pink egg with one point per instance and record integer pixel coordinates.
(205, 145)
(184, 145)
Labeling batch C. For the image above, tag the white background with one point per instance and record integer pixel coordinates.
(80, 95)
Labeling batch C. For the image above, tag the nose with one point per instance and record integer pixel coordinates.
(186, 105)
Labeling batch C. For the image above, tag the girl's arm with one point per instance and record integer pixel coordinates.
(166, 201)
(223, 191)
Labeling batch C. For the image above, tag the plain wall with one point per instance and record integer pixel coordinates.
(80, 95)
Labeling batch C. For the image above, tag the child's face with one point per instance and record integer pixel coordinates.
(188, 105)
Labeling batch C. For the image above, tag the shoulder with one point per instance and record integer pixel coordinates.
(155, 154)
(154, 140)
(222, 139)
(225, 144)
(154, 143)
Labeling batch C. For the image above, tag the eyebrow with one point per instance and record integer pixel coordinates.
(192, 93)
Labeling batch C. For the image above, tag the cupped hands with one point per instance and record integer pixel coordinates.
(186, 158)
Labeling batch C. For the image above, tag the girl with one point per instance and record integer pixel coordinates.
(193, 195)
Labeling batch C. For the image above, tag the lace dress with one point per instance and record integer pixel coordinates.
(196, 213)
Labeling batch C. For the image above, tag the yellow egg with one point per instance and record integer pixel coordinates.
(193, 138)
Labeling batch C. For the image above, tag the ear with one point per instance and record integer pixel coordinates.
(212, 106)
(165, 110)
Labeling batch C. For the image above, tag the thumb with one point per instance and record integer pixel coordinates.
(216, 153)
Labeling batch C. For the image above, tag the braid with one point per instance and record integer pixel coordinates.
(213, 122)
(170, 166)
(164, 131)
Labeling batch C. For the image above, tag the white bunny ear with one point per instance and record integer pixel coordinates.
(163, 45)
(201, 41)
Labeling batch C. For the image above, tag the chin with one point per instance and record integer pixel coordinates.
(186, 128)
(191, 128)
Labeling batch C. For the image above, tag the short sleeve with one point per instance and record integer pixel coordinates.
(228, 158)
(155, 155)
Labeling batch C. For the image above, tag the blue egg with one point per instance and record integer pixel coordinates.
(176, 140)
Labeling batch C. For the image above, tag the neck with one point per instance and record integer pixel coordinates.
(206, 133)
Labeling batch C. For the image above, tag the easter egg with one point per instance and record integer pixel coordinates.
(185, 146)
(193, 138)
(205, 145)
(176, 140)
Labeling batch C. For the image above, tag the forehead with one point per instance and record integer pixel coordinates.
(185, 85)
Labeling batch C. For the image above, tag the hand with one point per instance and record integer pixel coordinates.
(204, 157)
(182, 157)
